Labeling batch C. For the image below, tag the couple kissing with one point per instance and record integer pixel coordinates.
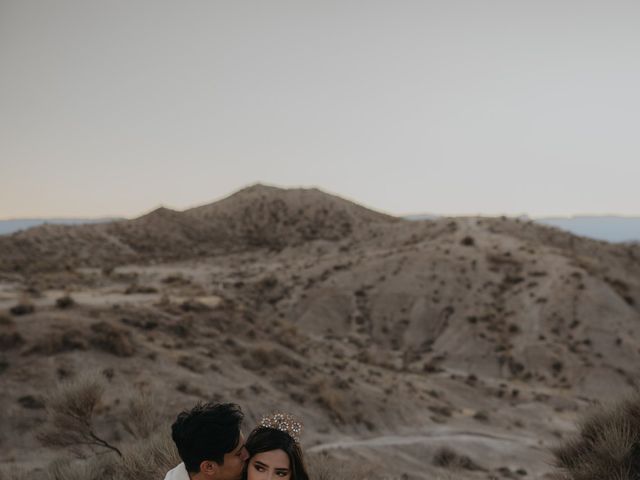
(212, 447)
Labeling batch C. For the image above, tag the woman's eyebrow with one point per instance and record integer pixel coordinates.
(281, 470)
(258, 462)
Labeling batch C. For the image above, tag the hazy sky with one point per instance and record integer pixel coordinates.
(113, 107)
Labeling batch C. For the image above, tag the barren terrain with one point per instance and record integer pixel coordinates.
(456, 346)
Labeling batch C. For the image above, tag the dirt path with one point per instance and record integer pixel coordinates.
(435, 436)
(413, 452)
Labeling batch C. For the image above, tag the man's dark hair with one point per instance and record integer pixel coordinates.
(207, 432)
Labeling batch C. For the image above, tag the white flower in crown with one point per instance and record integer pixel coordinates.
(283, 422)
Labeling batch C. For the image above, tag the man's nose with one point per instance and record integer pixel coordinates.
(245, 454)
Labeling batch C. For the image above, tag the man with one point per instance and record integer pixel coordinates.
(210, 443)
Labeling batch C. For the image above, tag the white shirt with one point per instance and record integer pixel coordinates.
(177, 473)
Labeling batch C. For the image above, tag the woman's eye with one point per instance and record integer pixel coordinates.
(259, 468)
(282, 474)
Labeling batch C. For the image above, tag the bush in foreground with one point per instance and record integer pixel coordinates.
(607, 445)
(71, 412)
(73, 415)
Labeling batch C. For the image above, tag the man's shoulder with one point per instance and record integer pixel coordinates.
(177, 473)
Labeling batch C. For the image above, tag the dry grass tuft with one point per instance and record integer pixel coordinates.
(95, 468)
(449, 458)
(14, 474)
(71, 417)
(10, 340)
(142, 420)
(143, 460)
(607, 445)
(58, 342)
(65, 302)
(266, 357)
(74, 409)
(324, 467)
(112, 339)
(149, 459)
(24, 307)
(4, 365)
(329, 396)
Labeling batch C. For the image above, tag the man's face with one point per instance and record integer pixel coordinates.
(233, 464)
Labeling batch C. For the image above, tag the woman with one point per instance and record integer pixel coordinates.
(274, 451)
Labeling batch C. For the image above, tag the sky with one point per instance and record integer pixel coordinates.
(459, 107)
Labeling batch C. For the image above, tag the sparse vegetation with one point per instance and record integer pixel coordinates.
(324, 467)
(112, 339)
(606, 445)
(9, 340)
(57, 341)
(31, 402)
(148, 459)
(4, 365)
(71, 413)
(468, 241)
(176, 279)
(448, 458)
(15, 473)
(191, 362)
(94, 468)
(65, 301)
(193, 305)
(330, 398)
(481, 416)
(142, 289)
(24, 307)
(264, 357)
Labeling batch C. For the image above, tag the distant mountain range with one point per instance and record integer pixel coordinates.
(16, 224)
(608, 228)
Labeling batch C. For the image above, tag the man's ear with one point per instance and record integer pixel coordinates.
(209, 468)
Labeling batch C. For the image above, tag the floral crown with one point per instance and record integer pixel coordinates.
(283, 422)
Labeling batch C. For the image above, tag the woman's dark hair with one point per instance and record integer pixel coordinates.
(207, 432)
(265, 439)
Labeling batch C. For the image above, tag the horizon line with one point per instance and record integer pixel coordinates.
(406, 215)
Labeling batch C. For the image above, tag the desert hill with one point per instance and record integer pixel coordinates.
(257, 216)
(273, 217)
(394, 340)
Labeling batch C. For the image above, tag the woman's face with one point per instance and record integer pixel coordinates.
(271, 465)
